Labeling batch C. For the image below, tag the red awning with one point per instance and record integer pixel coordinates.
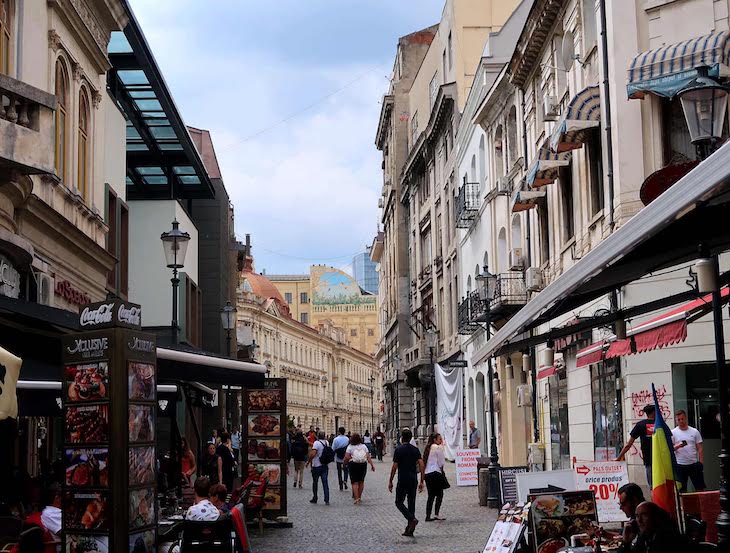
(665, 330)
(545, 372)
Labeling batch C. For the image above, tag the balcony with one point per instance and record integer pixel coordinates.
(26, 127)
(508, 296)
(467, 325)
(467, 204)
(425, 277)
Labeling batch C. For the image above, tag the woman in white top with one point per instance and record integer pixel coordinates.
(436, 482)
(357, 458)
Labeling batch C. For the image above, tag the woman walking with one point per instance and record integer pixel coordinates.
(436, 482)
(357, 458)
(299, 452)
(211, 465)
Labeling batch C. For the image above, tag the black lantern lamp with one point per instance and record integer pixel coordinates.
(704, 102)
(175, 246)
(228, 318)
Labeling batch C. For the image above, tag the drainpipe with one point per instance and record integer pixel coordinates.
(607, 127)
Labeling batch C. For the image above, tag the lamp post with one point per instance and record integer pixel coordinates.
(175, 245)
(371, 381)
(487, 285)
(704, 102)
(432, 338)
(228, 318)
(396, 415)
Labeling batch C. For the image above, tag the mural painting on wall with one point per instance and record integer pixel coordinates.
(642, 398)
(333, 287)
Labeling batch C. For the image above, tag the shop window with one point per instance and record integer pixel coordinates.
(82, 173)
(607, 434)
(594, 154)
(6, 29)
(61, 90)
(559, 437)
(566, 200)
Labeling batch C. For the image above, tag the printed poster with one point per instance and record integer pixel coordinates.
(467, 472)
(604, 478)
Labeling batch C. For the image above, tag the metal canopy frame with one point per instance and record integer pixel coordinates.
(162, 161)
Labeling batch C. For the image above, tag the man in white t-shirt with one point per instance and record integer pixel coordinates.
(203, 509)
(689, 452)
(318, 469)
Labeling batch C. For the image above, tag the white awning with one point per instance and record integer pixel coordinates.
(209, 360)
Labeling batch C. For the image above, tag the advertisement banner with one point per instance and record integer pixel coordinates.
(467, 473)
(450, 401)
(604, 478)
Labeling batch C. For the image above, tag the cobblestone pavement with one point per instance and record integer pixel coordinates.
(376, 525)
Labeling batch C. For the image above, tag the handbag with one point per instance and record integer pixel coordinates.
(444, 481)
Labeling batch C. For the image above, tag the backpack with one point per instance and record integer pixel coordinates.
(327, 455)
(359, 455)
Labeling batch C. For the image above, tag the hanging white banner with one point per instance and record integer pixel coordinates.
(9, 372)
(449, 411)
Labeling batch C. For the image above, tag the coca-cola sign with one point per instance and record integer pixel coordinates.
(109, 314)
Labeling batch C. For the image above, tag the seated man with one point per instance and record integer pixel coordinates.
(218, 495)
(658, 533)
(202, 509)
(630, 496)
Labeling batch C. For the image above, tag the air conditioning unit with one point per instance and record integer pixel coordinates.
(381, 203)
(516, 260)
(533, 279)
(550, 108)
(503, 186)
(45, 289)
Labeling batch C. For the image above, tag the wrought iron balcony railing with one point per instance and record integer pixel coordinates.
(467, 204)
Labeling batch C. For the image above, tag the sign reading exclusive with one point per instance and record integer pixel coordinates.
(467, 473)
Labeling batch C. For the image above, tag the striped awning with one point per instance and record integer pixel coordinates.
(666, 70)
(523, 200)
(544, 170)
(583, 113)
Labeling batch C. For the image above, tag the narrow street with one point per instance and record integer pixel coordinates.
(376, 525)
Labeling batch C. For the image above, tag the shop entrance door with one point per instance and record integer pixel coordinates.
(695, 391)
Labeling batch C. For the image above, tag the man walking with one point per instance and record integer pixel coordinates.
(407, 462)
(319, 470)
(379, 438)
(690, 453)
(339, 444)
(475, 437)
(644, 430)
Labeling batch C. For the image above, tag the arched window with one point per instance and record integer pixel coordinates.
(61, 111)
(512, 136)
(498, 152)
(482, 161)
(82, 181)
(502, 250)
(516, 232)
(6, 30)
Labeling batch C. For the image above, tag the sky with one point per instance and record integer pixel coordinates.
(290, 91)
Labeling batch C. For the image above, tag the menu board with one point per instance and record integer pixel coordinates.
(509, 528)
(508, 483)
(557, 516)
(264, 439)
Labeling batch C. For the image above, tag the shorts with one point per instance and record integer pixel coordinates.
(357, 472)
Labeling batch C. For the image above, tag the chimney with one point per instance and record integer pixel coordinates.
(245, 259)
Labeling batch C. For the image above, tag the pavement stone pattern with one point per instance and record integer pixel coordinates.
(376, 525)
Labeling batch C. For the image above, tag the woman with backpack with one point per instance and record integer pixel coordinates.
(434, 458)
(299, 452)
(357, 458)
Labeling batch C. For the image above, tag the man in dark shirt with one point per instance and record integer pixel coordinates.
(407, 462)
(644, 430)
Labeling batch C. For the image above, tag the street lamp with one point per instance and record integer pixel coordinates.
(397, 363)
(371, 381)
(487, 283)
(704, 102)
(432, 338)
(228, 318)
(175, 245)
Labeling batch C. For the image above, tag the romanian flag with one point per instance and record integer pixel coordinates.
(663, 463)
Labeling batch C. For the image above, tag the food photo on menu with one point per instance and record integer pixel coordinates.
(141, 465)
(142, 542)
(86, 511)
(271, 472)
(86, 544)
(141, 507)
(141, 378)
(87, 382)
(559, 516)
(264, 400)
(263, 450)
(141, 423)
(264, 425)
(87, 424)
(272, 499)
(87, 467)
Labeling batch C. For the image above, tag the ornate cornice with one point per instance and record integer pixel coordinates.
(101, 36)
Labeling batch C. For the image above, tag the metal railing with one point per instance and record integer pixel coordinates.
(467, 204)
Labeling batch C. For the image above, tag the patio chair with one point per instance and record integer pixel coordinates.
(207, 536)
(255, 504)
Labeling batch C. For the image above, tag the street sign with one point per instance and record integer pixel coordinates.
(604, 478)
(459, 364)
(550, 481)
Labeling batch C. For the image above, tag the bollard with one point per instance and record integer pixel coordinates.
(483, 486)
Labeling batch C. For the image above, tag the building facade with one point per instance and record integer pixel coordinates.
(329, 383)
(363, 269)
(329, 295)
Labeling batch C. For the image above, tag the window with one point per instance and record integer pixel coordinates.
(606, 412)
(83, 145)
(288, 297)
(594, 154)
(566, 200)
(353, 332)
(512, 136)
(677, 145)
(61, 111)
(304, 318)
(589, 24)
(371, 332)
(111, 237)
(443, 65)
(559, 436)
(303, 297)
(414, 129)
(451, 53)
(6, 26)
(433, 88)
(542, 213)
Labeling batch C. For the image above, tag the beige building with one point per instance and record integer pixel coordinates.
(329, 295)
(329, 383)
(426, 187)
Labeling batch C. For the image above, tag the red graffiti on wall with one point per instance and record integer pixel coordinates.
(641, 399)
(635, 451)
